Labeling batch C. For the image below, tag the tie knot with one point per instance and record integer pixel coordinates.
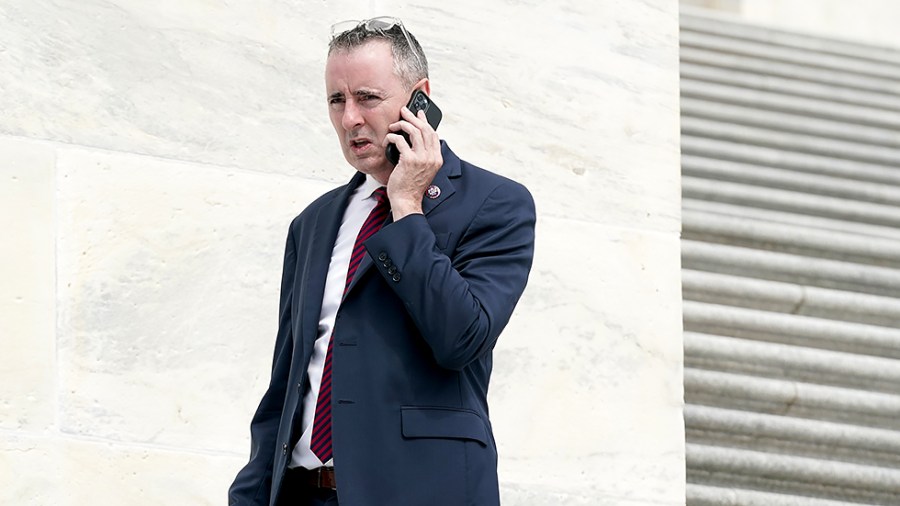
(380, 195)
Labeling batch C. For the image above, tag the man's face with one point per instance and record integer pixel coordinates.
(364, 97)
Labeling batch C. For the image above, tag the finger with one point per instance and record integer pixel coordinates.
(398, 141)
(429, 134)
(420, 119)
(416, 135)
(403, 125)
(408, 115)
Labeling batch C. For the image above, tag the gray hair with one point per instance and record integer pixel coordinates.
(409, 68)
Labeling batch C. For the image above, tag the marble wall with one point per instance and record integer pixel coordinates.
(867, 21)
(864, 21)
(152, 155)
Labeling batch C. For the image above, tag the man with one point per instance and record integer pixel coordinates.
(388, 318)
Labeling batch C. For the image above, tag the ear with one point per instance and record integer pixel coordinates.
(425, 85)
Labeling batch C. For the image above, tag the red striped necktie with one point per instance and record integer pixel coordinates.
(320, 443)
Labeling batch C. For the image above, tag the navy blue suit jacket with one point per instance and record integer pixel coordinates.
(412, 353)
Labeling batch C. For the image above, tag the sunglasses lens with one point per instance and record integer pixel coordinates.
(343, 26)
(371, 25)
(380, 24)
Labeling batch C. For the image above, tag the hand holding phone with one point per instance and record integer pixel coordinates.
(419, 101)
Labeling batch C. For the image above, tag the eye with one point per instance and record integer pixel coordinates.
(368, 98)
(334, 102)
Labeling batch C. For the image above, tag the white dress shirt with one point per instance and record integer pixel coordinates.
(359, 206)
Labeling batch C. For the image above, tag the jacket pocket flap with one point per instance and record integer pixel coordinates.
(422, 422)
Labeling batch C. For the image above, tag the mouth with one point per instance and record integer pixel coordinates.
(360, 146)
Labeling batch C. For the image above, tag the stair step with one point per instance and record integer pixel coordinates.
(791, 363)
(726, 61)
(859, 137)
(728, 495)
(782, 179)
(799, 162)
(793, 436)
(861, 230)
(738, 231)
(790, 85)
(709, 465)
(800, 270)
(786, 141)
(788, 298)
(799, 57)
(790, 201)
(710, 23)
(791, 329)
(792, 398)
(808, 107)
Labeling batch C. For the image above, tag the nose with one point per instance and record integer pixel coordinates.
(352, 117)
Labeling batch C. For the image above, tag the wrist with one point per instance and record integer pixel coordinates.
(403, 208)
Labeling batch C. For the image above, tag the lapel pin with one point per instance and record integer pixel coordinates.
(433, 192)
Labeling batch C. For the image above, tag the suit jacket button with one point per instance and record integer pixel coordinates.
(284, 448)
(382, 256)
(396, 276)
(392, 269)
(387, 262)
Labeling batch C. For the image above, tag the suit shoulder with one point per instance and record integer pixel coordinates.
(313, 208)
(494, 184)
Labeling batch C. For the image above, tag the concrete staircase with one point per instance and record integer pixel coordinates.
(791, 265)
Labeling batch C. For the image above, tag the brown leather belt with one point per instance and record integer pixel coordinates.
(322, 477)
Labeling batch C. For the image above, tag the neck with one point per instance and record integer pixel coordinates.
(382, 175)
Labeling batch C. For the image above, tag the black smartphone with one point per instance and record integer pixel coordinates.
(419, 101)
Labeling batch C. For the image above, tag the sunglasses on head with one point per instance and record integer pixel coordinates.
(381, 24)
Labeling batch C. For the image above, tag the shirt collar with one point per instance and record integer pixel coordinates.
(365, 190)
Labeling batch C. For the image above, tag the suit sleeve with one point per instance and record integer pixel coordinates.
(461, 304)
(252, 485)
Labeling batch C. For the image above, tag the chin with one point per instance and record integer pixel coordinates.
(372, 165)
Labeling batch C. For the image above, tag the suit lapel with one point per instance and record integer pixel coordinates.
(445, 190)
(327, 223)
(442, 181)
